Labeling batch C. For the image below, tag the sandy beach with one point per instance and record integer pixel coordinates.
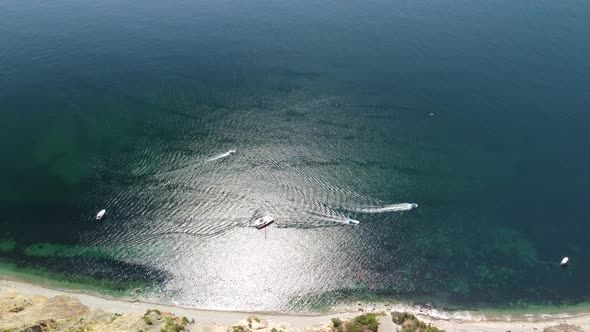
(209, 320)
(573, 324)
(205, 317)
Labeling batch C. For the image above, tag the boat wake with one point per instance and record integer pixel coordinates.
(336, 219)
(223, 155)
(387, 208)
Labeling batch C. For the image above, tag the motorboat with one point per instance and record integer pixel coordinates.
(413, 205)
(100, 214)
(564, 262)
(349, 221)
(263, 222)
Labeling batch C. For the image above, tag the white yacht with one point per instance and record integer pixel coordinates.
(260, 223)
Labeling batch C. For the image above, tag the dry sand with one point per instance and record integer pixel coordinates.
(573, 324)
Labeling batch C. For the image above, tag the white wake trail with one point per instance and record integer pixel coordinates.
(336, 219)
(223, 155)
(387, 208)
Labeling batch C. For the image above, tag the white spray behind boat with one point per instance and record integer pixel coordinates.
(387, 208)
(223, 155)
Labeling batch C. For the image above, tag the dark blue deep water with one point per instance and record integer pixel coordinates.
(479, 111)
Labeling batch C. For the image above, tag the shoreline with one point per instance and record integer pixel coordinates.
(205, 316)
(298, 321)
(531, 313)
(7, 281)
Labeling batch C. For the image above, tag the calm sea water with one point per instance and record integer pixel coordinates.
(476, 110)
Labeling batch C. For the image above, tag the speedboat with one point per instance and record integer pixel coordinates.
(413, 205)
(100, 214)
(351, 222)
(564, 262)
(265, 221)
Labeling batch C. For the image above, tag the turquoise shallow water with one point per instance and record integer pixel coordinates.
(476, 111)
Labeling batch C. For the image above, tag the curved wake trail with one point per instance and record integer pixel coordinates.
(387, 208)
(223, 155)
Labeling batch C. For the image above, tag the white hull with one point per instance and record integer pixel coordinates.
(263, 222)
(352, 222)
(564, 261)
(100, 214)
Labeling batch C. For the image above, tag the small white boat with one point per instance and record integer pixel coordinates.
(413, 205)
(260, 223)
(100, 214)
(351, 222)
(565, 261)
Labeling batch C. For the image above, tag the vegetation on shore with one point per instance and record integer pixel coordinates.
(409, 323)
(363, 323)
(165, 321)
(369, 323)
